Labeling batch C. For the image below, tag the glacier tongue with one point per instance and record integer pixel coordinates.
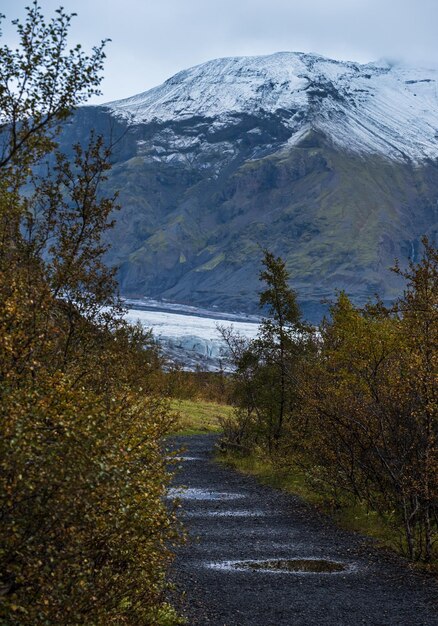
(191, 339)
(373, 108)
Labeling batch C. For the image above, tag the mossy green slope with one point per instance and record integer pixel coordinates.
(191, 226)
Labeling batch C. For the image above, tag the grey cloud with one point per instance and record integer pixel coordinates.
(152, 40)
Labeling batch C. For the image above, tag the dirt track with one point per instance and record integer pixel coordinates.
(250, 521)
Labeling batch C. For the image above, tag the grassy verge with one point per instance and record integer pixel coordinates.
(352, 516)
(199, 416)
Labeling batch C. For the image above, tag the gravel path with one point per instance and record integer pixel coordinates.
(231, 517)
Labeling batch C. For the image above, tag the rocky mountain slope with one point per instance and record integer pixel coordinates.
(332, 165)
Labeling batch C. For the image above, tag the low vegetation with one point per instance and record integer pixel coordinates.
(86, 535)
(201, 400)
(216, 387)
(348, 412)
(200, 416)
(351, 408)
(352, 514)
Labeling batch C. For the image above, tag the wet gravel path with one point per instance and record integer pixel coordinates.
(231, 517)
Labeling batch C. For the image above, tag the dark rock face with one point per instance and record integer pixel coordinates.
(200, 197)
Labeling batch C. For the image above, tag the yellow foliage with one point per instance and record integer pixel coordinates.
(86, 535)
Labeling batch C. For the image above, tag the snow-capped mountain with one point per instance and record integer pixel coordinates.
(331, 165)
(373, 108)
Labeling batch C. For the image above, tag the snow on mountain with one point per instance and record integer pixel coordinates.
(374, 108)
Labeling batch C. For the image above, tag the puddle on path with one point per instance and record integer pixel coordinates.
(201, 494)
(254, 513)
(308, 565)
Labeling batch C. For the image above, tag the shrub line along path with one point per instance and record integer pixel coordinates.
(231, 517)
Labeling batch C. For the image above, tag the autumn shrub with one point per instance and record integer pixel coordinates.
(202, 385)
(86, 533)
(351, 406)
(370, 420)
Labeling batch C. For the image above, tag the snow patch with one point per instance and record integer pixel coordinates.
(374, 108)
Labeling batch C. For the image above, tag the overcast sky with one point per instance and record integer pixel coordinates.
(153, 39)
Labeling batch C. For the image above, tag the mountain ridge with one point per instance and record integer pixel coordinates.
(333, 182)
(373, 107)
